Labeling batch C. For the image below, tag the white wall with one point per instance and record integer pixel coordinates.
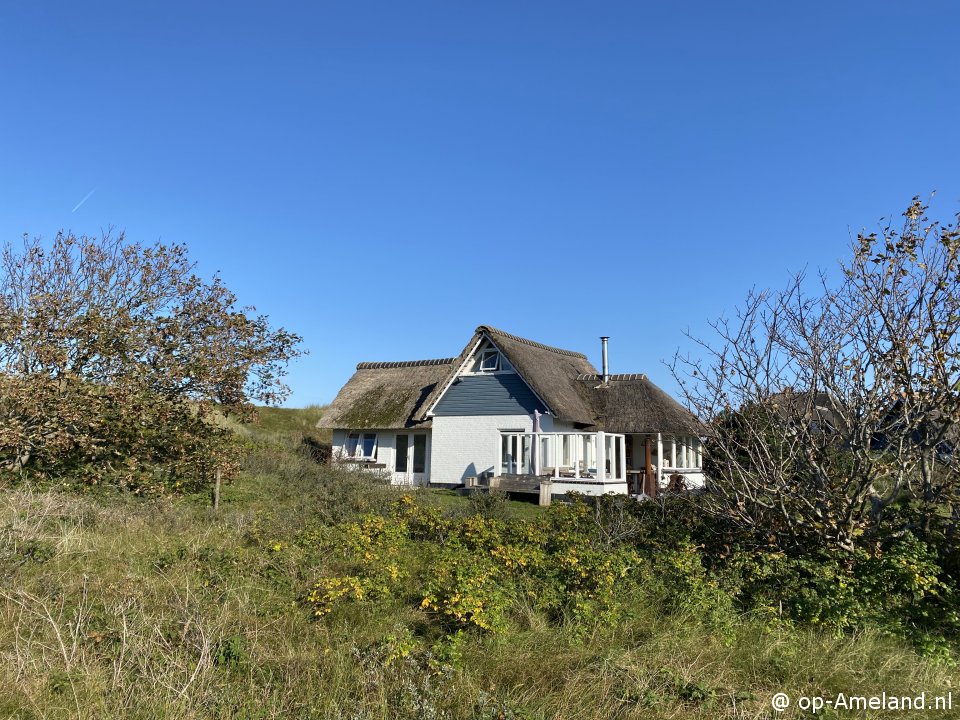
(470, 445)
(386, 447)
(386, 450)
(338, 441)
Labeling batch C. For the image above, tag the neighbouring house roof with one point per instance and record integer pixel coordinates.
(633, 404)
(550, 372)
(806, 406)
(386, 395)
(829, 414)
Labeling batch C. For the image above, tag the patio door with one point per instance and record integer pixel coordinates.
(410, 460)
(516, 452)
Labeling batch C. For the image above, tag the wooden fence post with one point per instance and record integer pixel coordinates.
(216, 491)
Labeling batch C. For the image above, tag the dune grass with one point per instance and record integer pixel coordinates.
(118, 607)
(293, 420)
(287, 427)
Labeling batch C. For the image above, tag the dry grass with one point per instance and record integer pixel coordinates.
(112, 607)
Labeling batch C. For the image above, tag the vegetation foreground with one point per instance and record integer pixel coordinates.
(318, 593)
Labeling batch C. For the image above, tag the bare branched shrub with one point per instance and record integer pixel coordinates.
(832, 407)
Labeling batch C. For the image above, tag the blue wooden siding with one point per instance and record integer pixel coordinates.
(501, 394)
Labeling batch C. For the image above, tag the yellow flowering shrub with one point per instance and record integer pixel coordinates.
(423, 523)
(467, 590)
(470, 572)
(327, 592)
(372, 550)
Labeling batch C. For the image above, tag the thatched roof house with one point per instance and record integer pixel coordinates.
(481, 413)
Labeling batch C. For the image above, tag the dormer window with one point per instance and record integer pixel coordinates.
(490, 361)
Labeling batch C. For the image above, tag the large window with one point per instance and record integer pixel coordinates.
(682, 452)
(579, 452)
(546, 452)
(613, 446)
(362, 446)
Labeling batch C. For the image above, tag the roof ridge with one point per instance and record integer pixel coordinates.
(495, 331)
(621, 376)
(403, 363)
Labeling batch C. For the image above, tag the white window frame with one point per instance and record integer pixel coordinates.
(358, 449)
(483, 359)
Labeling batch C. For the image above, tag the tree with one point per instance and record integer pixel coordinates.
(116, 359)
(835, 411)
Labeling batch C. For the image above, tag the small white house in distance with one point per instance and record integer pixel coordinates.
(514, 409)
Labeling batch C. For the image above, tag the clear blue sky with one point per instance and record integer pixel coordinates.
(384, 177)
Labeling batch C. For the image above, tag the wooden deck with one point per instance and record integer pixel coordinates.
(517, 484)
(514, 483)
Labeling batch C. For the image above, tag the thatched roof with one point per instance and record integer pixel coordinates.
(386, 395)
(633, 404)
(806, 407)
(394, 395)
(550, 372)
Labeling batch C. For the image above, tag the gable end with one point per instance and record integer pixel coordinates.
(498, 394)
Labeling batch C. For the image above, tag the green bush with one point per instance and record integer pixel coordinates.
(900, 589)
(490, 504)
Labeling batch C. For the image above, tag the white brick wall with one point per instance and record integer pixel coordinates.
(469, 445)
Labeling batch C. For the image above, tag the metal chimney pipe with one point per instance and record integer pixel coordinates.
(606, 365)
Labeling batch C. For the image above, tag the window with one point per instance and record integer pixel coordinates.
(490, 361)
(546, 452)
(400, 464)
(419, 453)
(613, 445)
(507, 451)
(362, 446)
